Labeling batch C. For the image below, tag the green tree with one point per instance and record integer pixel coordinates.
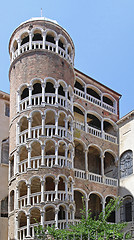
(89, 227)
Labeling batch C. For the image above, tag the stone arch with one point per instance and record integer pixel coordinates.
(79, 84)
(95, 204)
(50, 117)
(79, 157)
(35, 215)
(126, 163)
(62, 42)
(49, 212)
(94, 159)
(24, 38)
(22, 218)
(79, 197)
(110, 169)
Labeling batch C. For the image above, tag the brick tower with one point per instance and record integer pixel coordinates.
(63, 133)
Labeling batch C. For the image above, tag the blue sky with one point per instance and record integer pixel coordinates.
(102, 31)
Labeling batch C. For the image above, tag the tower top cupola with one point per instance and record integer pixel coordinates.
(41, 34)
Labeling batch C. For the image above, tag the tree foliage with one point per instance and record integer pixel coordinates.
(89, 227)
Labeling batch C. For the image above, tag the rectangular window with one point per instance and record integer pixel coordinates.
(7, 110)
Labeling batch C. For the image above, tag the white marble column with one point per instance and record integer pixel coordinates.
(86, 162)
(42, 218)
(66, 155)
(30, 95)
(29, 127)
(43, 124)
(42, 191)
(28, 225)
(56, 93)
(66, 126)
(17, 198)
(28, 194)
(42, 155)
(56, 154)
(56, 189)
(56, 124)
(44, 39)
(17, 162)
(43, 92)
(30, 40)
(86, 206)
(19, 42)
(66, 190)
(56, 218)
(66, 96)
(56, 40)
(102, 166)
(66, 215)
(29, 158)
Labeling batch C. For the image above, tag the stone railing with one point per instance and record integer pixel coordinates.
(50, 99)
(93, 177)
(39, 45)
(94, 100)
(94, 131)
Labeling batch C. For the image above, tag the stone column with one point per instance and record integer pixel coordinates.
(17, 198)
(56, 189)
(56, 40)
(42, 155)
(56, 218)
(30, 95)
(9, 171)
(28, 194)
(86, 162)
(72, 191)
(66, 157)
(71, 100)
(56, 124)
(42, 218)
(71, 129)
(102, 131)
(16, 227)
(66, 96)
(85, 121)
(43, 92)
(86, 206)
(43, 124)
(56, 93)
(66, 215)
(19, 42)
(66, 126)
(30, 40)
(44, 40)
(28, 225)
(29, 127)
(42, 191)
(102, 167)
(66, 190)
(17, 162)
(56, 154)
(72, 157)
(29, 158)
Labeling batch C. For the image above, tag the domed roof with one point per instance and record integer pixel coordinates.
(40, 19)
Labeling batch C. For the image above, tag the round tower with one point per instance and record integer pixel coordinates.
(41, 127)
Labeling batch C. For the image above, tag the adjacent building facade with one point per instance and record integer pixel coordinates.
(4, 159)
(63, 133)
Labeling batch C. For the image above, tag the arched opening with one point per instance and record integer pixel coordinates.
(24, 38)
(79, 158)
(107, 100)
(23, 124)
(35, 216)
(126, 163)
(94, 160)
(23, 155)
(79, 85)
(61, 213)
(93, 93)
(61, 149)
(22, 220)
(37, 88)
(50, 148)
(25, 93)
(93, 121)
(22, 192)
(49, 87)
(36, 119)
(61, 43)
(37, 36)
(61, 184)
(110, 169)
(94, 204)
(126, 209)
(50, 38)
(35, 149)
(49, 213)
(111, 218)
(79, 118)
(61, 119)
(15, 45)
(61, 90)
(11, 200)
(35, 188)
(49, 184)
(50, 118)
(108, 128)
(79, 200)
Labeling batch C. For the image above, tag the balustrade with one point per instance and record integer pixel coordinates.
(94, 100)
(39, 45)
(93, 177)
(95, 132)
